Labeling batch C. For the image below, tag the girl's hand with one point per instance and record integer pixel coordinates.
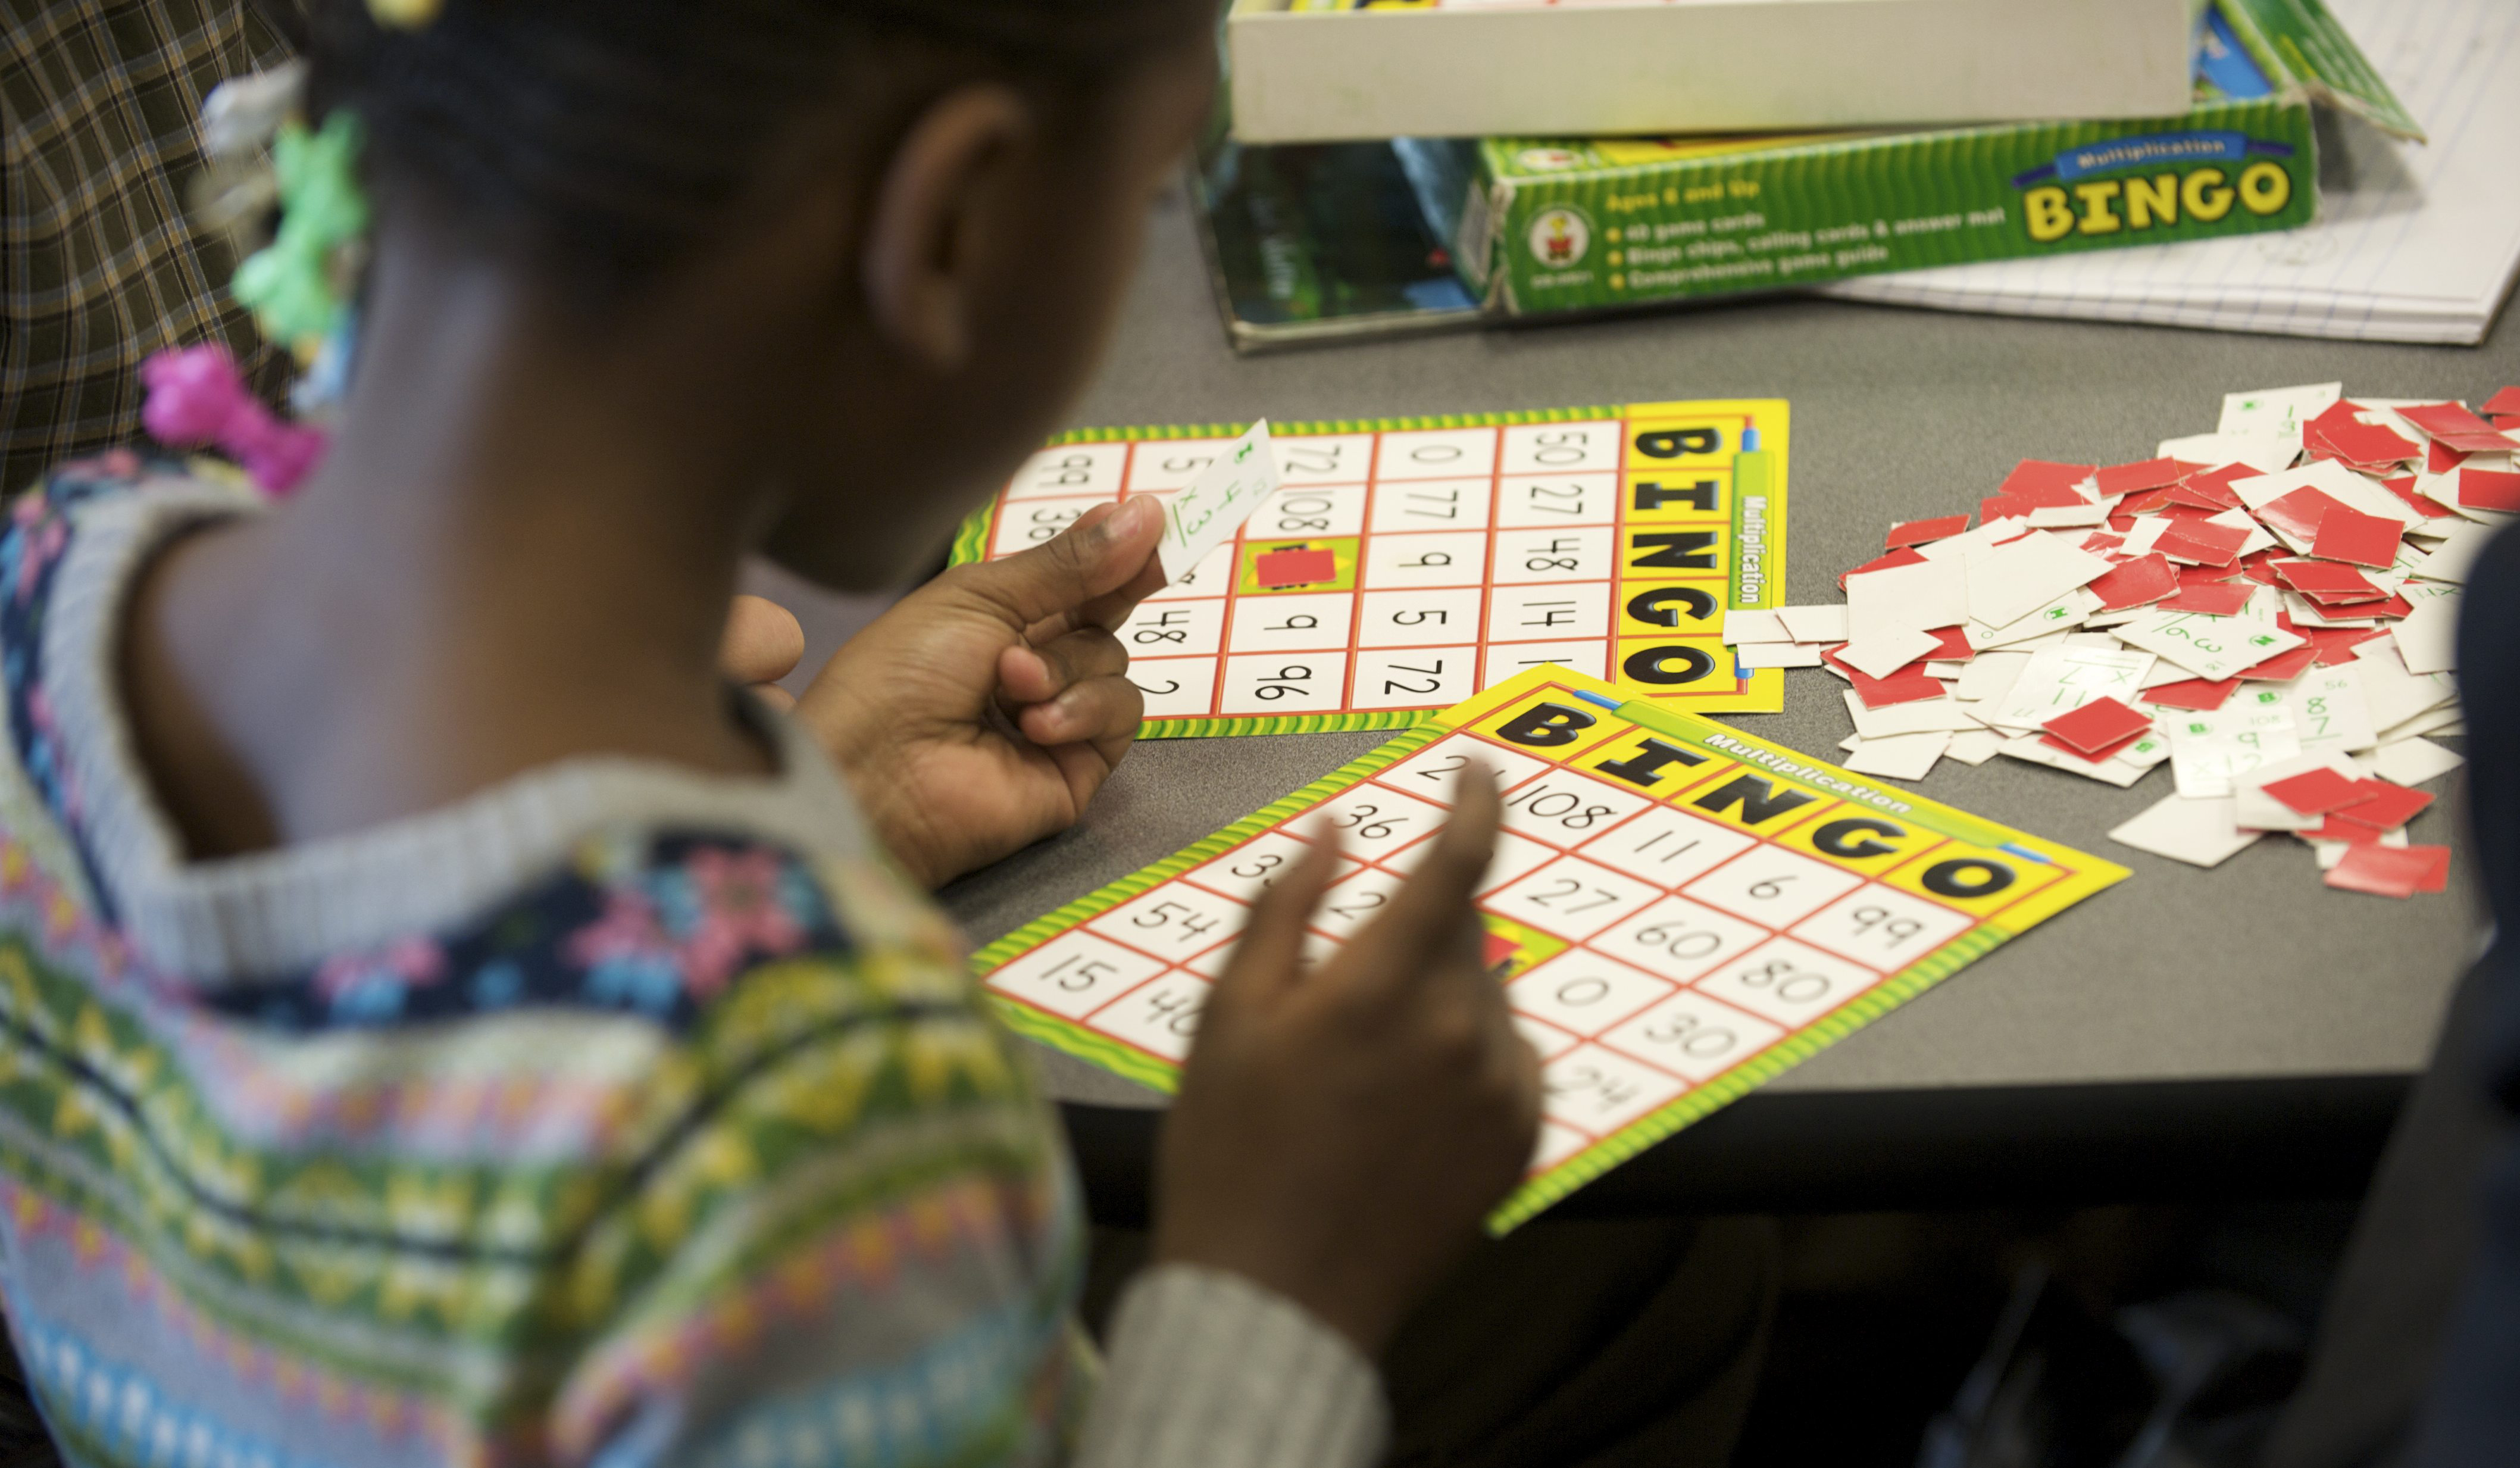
(984, 710)
(1342, 1130)
(763, 643)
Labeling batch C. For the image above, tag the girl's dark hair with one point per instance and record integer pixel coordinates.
(611, 135)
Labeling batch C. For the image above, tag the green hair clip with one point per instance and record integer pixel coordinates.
(296, 285)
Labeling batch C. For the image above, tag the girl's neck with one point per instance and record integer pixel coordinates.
(517, 550)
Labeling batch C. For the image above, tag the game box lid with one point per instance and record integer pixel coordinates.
(1316, 71)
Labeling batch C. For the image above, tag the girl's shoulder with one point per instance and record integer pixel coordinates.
(671, 923)
(38, 524)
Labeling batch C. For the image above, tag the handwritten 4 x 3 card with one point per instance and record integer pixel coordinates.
(1679, 912)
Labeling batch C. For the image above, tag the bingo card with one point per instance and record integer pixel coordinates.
(1406, 564)
(1679, 912)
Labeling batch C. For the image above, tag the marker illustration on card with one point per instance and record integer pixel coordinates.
(1677, 912)
(1205, 513)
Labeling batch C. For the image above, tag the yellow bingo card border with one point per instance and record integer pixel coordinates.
(1679, 912)
(1407, 563)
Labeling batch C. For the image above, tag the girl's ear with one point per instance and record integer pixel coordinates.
(927, 243)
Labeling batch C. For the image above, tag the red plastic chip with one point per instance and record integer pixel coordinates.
(1926, 531)
(2392, 871)
(2325, 577)
(2139, 582)
(2383, 807)
(2283, 666)
(2300, 513)
(2341, 432)
(2213, 598)
(1908, 685)
(2315, 792)
(2204, 695)
(2099, 726)
(2151, 473)
(1294, 568)
(2456, 428)
(2201, 544)
(2218, 482)
(2100, 755)
(1900, 557)
(2489, 489)
(2352, 537)
(2044, 482)
(2404, 488)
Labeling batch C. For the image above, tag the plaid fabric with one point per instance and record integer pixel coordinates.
(100, 116)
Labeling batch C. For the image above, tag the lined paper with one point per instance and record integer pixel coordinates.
(2413, 242)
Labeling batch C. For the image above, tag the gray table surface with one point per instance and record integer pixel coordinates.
(2250, 970)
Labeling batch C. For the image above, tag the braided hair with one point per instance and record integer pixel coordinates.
(611, 135)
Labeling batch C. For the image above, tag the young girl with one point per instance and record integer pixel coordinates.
(442, 1020)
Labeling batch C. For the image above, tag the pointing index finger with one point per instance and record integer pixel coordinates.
(1432, 912)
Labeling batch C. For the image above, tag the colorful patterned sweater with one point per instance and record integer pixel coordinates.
(616, 1115)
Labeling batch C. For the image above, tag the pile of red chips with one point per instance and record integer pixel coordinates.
(2381, 498)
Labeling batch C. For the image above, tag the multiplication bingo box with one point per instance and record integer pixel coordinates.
(1679, 912)
(1406, 564)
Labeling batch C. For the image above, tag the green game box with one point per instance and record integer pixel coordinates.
(1541, 227)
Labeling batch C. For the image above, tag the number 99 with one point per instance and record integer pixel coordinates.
(1895, 930)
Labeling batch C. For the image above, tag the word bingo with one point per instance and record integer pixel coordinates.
(1679, 912)
(1406, 564)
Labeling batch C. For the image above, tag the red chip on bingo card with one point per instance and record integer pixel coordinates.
(2364, 539)
(2315, 791)
(2101, 725)
(1298, 567)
